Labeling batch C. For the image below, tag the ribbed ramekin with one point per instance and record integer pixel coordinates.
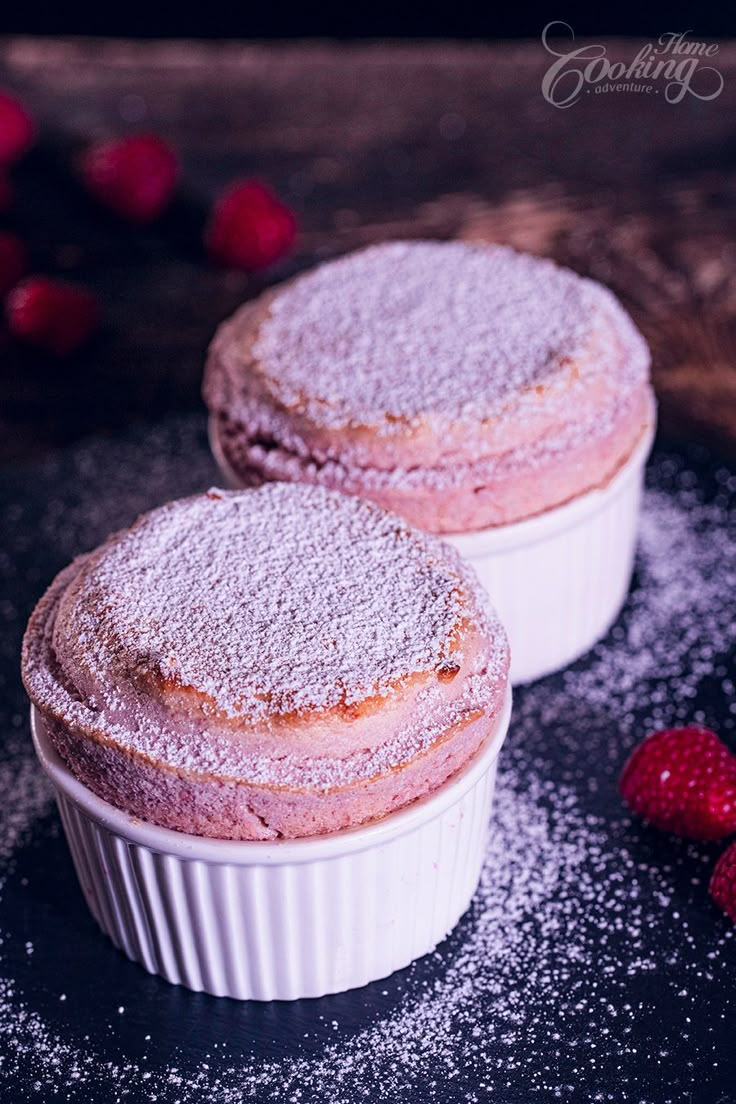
(285, 919)
(558, 580)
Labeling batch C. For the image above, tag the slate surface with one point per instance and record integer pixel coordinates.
(648, 1014)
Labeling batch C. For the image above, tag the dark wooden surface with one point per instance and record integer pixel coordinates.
(367, 142)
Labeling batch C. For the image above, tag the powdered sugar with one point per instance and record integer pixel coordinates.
(278, 601)
(410, 329)
(591, 966)
(438, 379)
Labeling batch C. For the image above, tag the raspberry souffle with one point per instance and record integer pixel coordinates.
(470, 388)
(266, 664)
(462, 386)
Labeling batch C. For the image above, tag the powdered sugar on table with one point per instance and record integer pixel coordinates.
(591, 966)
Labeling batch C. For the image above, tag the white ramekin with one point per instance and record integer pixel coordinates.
(286, 919)
(558, 580)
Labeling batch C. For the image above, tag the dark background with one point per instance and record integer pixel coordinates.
(134, 18)
(366, 141)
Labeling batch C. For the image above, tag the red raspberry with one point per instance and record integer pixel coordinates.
(134, 177)
(6, 193)
(249, 227)
(723, 882)
(683, 780)
(13, 261)
(56, 317)
(16, 129)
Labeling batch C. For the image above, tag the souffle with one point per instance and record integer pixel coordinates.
(463, 386)
(279, 662)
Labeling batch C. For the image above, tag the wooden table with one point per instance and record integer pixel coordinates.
(367, 142)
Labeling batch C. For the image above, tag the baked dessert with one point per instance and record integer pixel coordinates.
(279, 662)
(463, 386)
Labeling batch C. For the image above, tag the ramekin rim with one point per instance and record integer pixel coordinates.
(557, 519)
(218, 453)
(267, 852)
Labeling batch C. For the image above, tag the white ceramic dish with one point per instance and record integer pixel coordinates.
(558, 580)
(286, 919)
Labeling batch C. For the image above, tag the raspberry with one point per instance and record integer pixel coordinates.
(13, 261)
(134, 177)
(683, 780)
(6, 193)
(16, 129)
(249, 227)
(56, 317)
(723, 882)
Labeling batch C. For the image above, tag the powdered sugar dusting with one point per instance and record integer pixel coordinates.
(286, 600)
(437, 379)
(277, 600)
(409, 329)
(591, 966)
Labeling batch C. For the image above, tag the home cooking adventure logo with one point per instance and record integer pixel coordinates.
(675, 67)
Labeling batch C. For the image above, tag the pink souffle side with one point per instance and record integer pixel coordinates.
(265, 664)
(462, 386)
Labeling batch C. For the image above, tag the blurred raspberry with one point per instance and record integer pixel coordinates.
(54, 316)
(16, 129)
(135, 177)
(13, 261)
(249, 227)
